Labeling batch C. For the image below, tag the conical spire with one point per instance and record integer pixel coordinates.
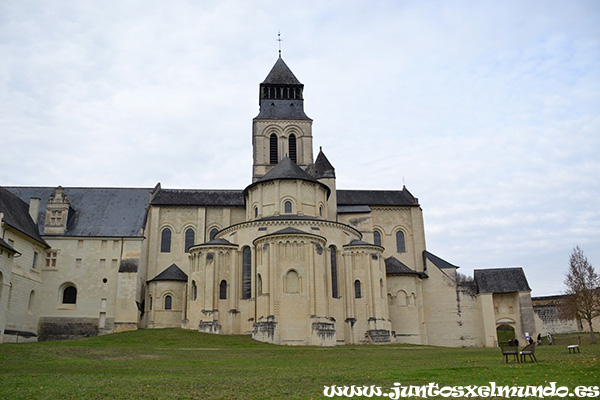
(281, 74)
(322, 168)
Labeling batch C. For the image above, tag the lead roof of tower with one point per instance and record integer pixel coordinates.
(281, 74)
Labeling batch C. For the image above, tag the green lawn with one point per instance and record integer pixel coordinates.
(178, 364)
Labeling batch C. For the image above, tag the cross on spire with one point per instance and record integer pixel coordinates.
(279, 39)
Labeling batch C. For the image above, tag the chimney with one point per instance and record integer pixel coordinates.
(34, 208)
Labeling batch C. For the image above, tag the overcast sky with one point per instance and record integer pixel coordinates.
(488, 111)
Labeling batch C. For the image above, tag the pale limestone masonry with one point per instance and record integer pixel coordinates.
(548, 320)
(291, 259)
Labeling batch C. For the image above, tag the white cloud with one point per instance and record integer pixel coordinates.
(487, 111)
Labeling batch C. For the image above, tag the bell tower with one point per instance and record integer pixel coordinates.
(281, 128)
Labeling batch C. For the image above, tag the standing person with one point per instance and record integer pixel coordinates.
(539, 339)
(549, 339)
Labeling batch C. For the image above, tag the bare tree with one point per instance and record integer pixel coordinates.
(582, 289)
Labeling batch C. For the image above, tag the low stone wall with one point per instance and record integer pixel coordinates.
(60, 328)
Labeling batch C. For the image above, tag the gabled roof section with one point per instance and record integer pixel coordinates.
(376, 198)
(322, 168)
(16, 214)
(438, 262)
(105, 212)
(181, 197)
(501, 280)
(173, 273)
(393, 266)
(281, 74)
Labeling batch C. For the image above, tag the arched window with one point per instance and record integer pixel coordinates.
(168, 302)
(400, 242)
(223, 290)
(334, 274)
(212, 233)
(377, 238)
(292, 282)
(292, 147)
(401, 298)
(190, 237)
(150, 303)
(259, 285)
(255, 212)
(287, 207)
(246, 273)
(273, 153)
(357, 292)
(31, 300)
(69, 295)
(194, 290)
(165, 241)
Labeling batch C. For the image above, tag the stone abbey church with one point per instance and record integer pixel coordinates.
(290, 259)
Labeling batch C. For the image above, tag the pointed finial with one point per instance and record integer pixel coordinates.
(279, 39)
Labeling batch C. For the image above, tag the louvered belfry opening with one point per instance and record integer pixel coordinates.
(273, 154)
(292, 147)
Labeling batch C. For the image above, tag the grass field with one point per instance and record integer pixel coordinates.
(178, 364)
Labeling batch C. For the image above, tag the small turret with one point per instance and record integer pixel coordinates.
(324, 172)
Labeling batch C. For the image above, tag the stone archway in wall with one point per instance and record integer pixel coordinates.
(505, 330)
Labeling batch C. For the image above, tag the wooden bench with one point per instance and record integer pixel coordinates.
(508, 350)
(574, 347)
(528, 350)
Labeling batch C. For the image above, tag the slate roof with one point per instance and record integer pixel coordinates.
(286, 169)
(376, 198)
(322, 168)
(112, 212)
(7, 246)
(219, 242)
(173, 273)
(356, 242)
(438, 262)
(289, 108)
(281, 74)
(393, 266)
(290, 231)
(185, 197)
(129, 265)
(16, 214)
(353, 209)
(501, 280)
